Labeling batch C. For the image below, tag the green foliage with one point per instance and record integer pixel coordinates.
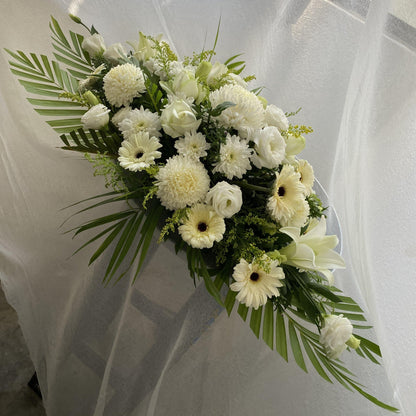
(173, 222)
(298, 131)
(316, 210)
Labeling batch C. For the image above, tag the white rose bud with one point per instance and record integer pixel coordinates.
(114, 53)
(185, 84)
(294, 145)
(96, 117)
(335, 334)
(274, 116)
(270, 147)
(226, 199)
(94, 44)
(216, 72)
(178, 118)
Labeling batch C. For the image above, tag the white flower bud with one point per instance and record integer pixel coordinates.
(114, 53)
(94, 44)
(178, 118)
(226, 199)
(274, 116)
(294, 145)
(334, 335)
(96, 117)
(216, 72)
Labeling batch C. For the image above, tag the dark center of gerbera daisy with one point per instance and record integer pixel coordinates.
(202, 226)
(139, 155)
(281, 191)
(254, 276)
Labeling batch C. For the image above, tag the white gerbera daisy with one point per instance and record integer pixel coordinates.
(288, 195)
(193, 145)
(139, 151)
(254, 285)
(181, 182)
(306, 175)
(122, 83)
(299, 217)
(139, 120)
(234, 158)
(245, 116)
(203, 227)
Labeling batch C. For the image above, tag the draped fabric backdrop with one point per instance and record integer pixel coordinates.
(161, 346)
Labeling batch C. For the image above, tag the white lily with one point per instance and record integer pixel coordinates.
(313, 249)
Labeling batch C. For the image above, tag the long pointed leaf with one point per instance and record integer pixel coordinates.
(255, 320)
(296, 349)
(268, 324)
(281, 342)
(313, 359)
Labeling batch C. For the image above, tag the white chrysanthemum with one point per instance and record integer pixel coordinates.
(139, 151)
(234, 158)
(288, 195)
(120, 115)
(193, 145)
(181, 182)
(139, 120)
(254, 285)
(122, 83)
(306, 175)
(269, 146)
(203, 227)
(245, 116)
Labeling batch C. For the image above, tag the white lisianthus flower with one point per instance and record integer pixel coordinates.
(203, 227)
(269, 147)
(226, 199)
(138, 120)
(193, 145)
(313, 249)
(245, 116)
(274, 116)
(139, 151)
(234, 158)
(114, 52)
(93, 44)
(335, 334)
(120, 115)
(306, 175)
(122, 83)
(177, 118)
(96, 117)
(254, 285)
(181, 182)
(288, 195)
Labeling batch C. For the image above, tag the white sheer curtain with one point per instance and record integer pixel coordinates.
(161, 346)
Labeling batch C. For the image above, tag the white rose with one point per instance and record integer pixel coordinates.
(178, 118)
(96, 117)
(274, 116)
(217, 71)
(225, 198)
(269, 146)
(94, 44)
(334, 335)
(114, 53)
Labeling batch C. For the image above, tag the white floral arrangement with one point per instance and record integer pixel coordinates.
(205, 160)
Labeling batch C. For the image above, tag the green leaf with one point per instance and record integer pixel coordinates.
(347, 307)
(268, 324)
(53, 103)
(64, 122)
(313, 359)
(324, 291)
(296, 349)
(47, 66)
(60, 112)
(281, 342)
(119, 226)
(57, 72)
(242, 311)
(58, 32)
(69, 62)
(354, 317)
(221, 107)
(369, 344)
(255, 320)
(230, 301)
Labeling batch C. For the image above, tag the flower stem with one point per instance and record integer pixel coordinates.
(257, 188)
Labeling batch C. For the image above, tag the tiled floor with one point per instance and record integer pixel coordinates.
(16, 368)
